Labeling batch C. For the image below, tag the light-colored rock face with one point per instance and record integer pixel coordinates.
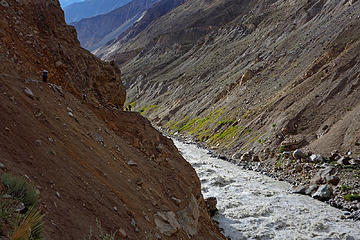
(166, 223)
(275, 72)
(189, 217)
(89, 159)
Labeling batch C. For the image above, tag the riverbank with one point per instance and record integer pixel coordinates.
(306, 176)
(254, 206)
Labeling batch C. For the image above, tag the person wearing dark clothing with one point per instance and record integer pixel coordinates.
(44, 75)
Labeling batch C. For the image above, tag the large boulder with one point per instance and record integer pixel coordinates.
(298, 154)
(324, 193)
(166, 223)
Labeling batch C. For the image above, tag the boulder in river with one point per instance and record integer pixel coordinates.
(323, 193)
(211, 205)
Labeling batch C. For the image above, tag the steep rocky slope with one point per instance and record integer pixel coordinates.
(97, 31)
(89, 8)
(159, 9)
(88, 159)
(250, 74)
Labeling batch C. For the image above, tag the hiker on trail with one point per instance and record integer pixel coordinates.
(129, 107)
(83, 97)
(44, 75)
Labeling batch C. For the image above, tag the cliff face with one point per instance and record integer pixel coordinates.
(242, 75)
(88, 159)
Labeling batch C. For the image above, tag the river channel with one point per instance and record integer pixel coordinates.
(254, 206)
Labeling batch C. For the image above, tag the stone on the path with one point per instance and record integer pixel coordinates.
(311, 189)
(334, 156)
(20, 207)
(246, 157)
(343, 160)
(298, 168)
(57, 88)
(287, 154)
(166, 223)
(299, 189)
(354, 162)
(255, 158)
(122, 233)
(132, 163)
(298, 154)
(99, 138)
(326, 175)
(334, 180)
(317, 158)
(29, 93)
(330, 170)
(323, 193)
(4, 3)
(176, 200)
(237, 155)
(38, 142)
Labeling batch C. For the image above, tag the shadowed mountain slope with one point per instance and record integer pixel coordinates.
(87, 158)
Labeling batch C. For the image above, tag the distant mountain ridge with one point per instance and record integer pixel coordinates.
(89, 8)
(96, 31)
(65, 3)
(158, 10)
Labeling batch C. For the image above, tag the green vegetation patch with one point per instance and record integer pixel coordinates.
(281, 149)
(20, 189)
(15, 220)
(226, 134)
(352, 197)
(101, 234)
(345, 188)
(146, 109)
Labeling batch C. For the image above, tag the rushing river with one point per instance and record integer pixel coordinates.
(254, 206)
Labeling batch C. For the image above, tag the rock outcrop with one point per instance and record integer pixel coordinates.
(69, 137)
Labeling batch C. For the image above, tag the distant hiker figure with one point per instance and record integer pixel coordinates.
(83, 97)
(129, 108)
(44, 75)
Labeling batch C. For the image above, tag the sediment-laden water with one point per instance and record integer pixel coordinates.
(254, 206)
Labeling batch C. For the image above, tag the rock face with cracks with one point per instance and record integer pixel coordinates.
(77, 150)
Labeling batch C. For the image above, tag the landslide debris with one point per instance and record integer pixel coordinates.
(71, 140)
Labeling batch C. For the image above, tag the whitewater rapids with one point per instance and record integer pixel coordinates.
(254, 206)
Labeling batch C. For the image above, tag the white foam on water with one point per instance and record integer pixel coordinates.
(254, 206)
